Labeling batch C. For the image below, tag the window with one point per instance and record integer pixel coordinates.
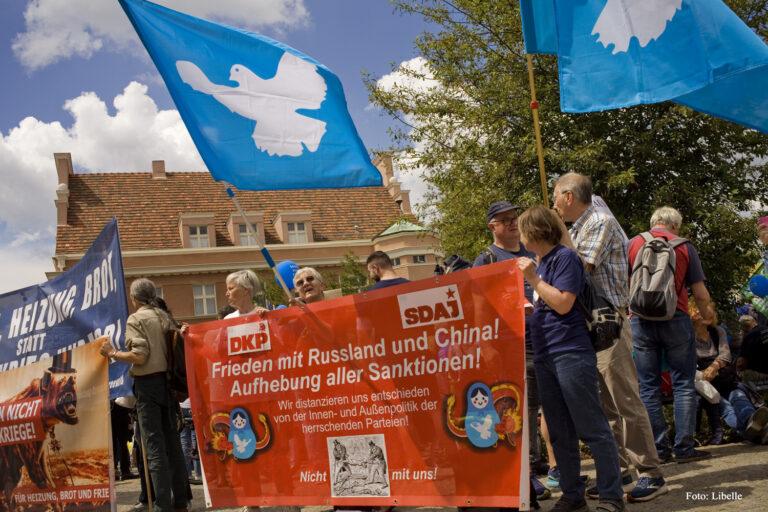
(159, 292)
(198, 236)
(297, 233)
(205, 299)
(247, 237)
(420, 258)
(395, 262)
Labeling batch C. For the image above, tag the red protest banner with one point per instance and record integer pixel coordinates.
(410, 395)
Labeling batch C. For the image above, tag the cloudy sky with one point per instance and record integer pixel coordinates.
(76, 80)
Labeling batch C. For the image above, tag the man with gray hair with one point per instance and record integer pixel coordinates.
(673, 337)
(600, 241)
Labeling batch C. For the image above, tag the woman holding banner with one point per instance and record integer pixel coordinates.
(145, 339)
(242, 287)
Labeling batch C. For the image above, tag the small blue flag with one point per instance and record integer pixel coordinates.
(619, 53)
(262, 115)
(539, 29)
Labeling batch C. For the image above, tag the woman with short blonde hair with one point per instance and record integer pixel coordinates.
(242, 288)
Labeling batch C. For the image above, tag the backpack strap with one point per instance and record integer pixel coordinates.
(647, 236)
(489, 257)
(676, 242)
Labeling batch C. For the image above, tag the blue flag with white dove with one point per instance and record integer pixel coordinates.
(620, 53)
(263, 115)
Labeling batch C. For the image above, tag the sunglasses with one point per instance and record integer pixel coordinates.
(308, 279)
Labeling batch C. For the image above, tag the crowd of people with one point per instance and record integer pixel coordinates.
(611, 399)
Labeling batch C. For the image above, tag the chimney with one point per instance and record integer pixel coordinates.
(64, 171)
(158, 169)
(383, 162)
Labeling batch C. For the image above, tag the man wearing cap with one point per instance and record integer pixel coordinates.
(502, 221)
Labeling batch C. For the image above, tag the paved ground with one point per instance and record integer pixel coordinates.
(735, 479)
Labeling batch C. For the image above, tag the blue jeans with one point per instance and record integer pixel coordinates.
(676, 339)
(189, 444)
(569, 395)
(737, 410)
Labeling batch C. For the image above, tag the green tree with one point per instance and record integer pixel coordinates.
(469, 125)
(352, 277)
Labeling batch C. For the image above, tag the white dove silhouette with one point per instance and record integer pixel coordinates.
(483, 428)
(272, 103)
(241, 444)
(621, 20)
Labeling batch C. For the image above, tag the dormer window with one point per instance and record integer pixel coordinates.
(247, 237)
(294, 227)
(297, 233)
(198, 236)
(239, 232)
(197, 230)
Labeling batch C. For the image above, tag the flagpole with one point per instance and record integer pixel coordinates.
(537, 131)
(252, 231)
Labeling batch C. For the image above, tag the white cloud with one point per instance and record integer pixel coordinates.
(22, 267)
(59, 29)
(411, 77)
(128, 139)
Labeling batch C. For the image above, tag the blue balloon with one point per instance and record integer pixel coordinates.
(759, 285)
(287, 269)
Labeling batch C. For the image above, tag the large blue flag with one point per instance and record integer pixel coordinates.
(539, 30)
(262, 115)
(76, 307)
(619, 53)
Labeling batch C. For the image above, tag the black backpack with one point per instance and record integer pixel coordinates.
(454, 263)
(177, 368)
(604, 321)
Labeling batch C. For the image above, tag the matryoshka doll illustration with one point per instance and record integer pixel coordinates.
(481, 418)
(241, 434)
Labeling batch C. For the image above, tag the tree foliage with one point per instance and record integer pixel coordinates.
(470, 126)
(352, 277)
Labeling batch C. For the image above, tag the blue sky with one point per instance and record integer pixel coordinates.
(74, 79)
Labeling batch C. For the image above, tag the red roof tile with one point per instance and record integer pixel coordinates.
(148, 209)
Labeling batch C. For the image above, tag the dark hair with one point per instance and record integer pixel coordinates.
(479, 391)
(379, 258)
(540, 224)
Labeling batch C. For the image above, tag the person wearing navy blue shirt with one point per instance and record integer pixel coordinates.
(502, 223)
(566, 364)
(380, 271)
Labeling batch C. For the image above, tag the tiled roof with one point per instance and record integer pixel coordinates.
(148, 209)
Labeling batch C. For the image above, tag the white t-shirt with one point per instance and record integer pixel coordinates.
(236, 313)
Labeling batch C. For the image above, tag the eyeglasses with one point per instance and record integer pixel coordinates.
(507, 222)
(308, 279)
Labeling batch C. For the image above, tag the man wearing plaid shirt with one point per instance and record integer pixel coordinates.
(601, 243)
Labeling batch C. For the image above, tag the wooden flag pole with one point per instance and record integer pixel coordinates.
(264, 252)
(537, 131)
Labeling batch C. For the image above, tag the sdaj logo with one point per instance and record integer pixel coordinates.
(429, 307)
(251, 337)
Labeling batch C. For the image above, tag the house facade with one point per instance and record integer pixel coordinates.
(181, 230)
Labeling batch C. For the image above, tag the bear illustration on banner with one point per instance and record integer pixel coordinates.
(58, 396)
(231, 434)
(491, 414)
